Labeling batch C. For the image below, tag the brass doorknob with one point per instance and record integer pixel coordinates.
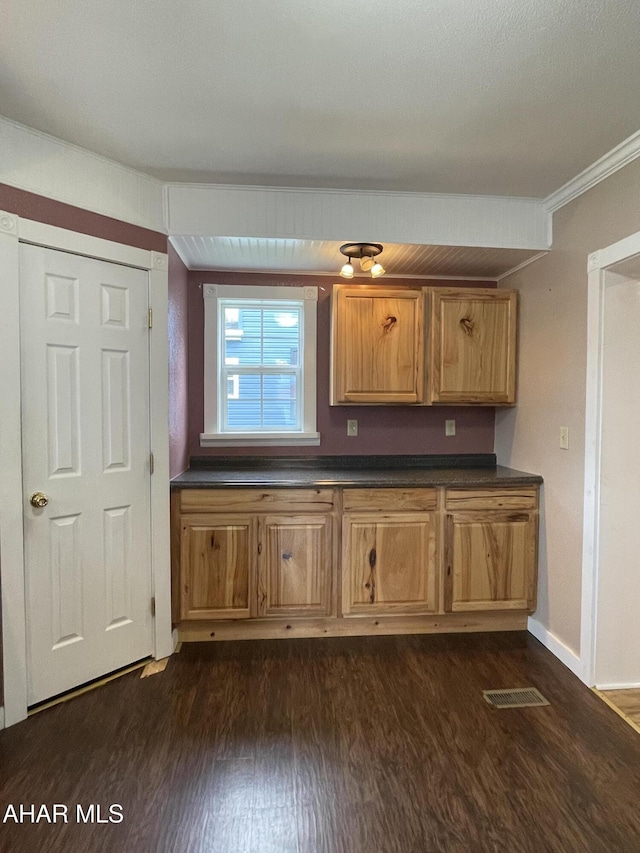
(39, 499)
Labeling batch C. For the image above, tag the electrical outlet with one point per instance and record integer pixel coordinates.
(352, 427)
(564, 438)
(449, 427)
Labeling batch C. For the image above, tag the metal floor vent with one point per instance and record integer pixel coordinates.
(516, 697)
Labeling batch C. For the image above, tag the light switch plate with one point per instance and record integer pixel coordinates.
(564, 438)
(352, 427)
(449, 427)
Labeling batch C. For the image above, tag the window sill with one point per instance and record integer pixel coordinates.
(252, 439)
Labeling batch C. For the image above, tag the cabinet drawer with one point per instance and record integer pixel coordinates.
(499, 498)
(363, 500)
(257, 500)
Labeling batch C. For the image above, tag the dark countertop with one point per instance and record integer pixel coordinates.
(413, 472)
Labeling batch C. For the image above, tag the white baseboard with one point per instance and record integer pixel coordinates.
(631, 685)
(564, 654)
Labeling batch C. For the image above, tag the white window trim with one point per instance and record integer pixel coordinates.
(212, 436)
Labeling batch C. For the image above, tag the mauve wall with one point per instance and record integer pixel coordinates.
(381, 429)
(41, 209)
(178, 364)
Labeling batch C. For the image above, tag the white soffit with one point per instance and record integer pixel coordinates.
(316, 257)
(350, 216)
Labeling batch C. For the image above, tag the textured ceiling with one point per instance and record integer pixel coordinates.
(314, 256)
(509, 97)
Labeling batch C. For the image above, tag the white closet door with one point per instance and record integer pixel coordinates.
(85, 427)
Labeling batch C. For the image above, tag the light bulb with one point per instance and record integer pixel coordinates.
(366, 264)
(376, 270)
(347, 270)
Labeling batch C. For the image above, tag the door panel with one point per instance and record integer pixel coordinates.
(377, 351)
(295, 570)
(473, 345)
(389, 563)
(85, 419)
(492, 559)
(217, 566)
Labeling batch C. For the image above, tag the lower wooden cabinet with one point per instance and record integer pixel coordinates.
(490, 551)
(243, 564)
(269, 555)
(217, 566)
(295, 566)
(388, 563)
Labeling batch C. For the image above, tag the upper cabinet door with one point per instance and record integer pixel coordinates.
(377, 345)
(473, 346)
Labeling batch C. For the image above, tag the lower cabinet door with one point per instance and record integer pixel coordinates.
(491, 561)
(294, 577)
(217, 560)
(389, 563)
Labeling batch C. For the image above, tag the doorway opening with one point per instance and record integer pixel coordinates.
(611, 580)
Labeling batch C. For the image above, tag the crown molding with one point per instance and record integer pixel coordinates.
(522, 265)
(623, 154)
(269, 188)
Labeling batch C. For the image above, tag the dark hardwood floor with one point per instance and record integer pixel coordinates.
(383, 745)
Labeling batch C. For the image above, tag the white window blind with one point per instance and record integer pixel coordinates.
(260, 365)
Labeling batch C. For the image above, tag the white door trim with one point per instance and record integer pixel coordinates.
(599, 262)
(14, 230)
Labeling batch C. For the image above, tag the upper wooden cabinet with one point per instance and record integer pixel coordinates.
(378, 352)
(377, 345)
(472, 346)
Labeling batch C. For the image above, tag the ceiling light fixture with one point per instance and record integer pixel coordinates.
(347, 270)
(366, 252)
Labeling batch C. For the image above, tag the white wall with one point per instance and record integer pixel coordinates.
(552, 373)
(42, 164)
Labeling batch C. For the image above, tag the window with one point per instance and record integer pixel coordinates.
(260, 365)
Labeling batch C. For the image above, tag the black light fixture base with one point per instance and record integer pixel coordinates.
(361, 250)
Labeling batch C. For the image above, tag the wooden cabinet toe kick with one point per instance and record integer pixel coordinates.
(356, 626)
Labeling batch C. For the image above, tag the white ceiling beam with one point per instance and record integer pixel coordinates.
(351, 215)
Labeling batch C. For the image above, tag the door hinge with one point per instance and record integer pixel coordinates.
(153, 606)
(152, 463)
(151, 318)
